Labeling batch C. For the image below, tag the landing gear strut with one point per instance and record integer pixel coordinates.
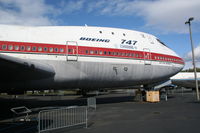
(82, 92)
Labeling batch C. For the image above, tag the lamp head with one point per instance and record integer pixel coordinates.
(190, 19)
(187, 22)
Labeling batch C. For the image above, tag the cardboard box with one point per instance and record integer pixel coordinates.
(152, 96)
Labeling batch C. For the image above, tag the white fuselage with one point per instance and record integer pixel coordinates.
(186, 79)
(89, 57)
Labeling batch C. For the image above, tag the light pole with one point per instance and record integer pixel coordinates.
(193, 58)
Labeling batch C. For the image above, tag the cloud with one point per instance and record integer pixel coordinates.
(164, 15)
(188, 58)
(26, 12)
(37, 12)
(71, 6)
(188, 65)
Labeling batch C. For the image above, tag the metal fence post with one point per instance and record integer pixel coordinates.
(86, 118)
(39, 123)
(91, 102)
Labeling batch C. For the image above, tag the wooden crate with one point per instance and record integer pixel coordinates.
(152, 96)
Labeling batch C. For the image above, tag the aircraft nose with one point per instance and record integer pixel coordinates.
(180, 63)
(178, 60)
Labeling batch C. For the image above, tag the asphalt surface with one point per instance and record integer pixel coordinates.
(117, 113)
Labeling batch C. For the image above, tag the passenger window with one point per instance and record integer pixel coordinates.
(40, 49)
(61, 50)
(96, 52)
(34, 48)
(105, 52)
(56, 49)
(45, 49)
(86, 51)
(100, 52)
(143, 35)
(150, 40)
(10, 47)
(70, 50)
(28, 48)
(16, 47)
(22, 48)
(50, 49)
(4, 47)
(91, 52)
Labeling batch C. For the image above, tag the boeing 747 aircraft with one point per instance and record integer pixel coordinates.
(84, 57)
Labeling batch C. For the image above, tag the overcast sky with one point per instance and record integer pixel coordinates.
(163, 18)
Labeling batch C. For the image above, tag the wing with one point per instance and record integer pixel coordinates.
(16, 69)
(188, 83)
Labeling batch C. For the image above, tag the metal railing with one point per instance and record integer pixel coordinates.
(61, 118)
(91, 102)
(21, 111)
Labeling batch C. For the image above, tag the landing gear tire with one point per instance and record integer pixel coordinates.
(82, 92)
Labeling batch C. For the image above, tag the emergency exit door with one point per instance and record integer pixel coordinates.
(72, 51)
(147, 64)
(147, 56)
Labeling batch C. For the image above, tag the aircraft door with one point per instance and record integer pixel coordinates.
(147, 63)
(147, 56)
(72, 51)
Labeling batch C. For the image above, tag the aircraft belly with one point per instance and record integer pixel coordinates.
(91, 74)
(94, 74)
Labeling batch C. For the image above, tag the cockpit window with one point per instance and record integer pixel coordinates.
(161, 42)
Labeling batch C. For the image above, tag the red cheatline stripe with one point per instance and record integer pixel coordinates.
(25, 47)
